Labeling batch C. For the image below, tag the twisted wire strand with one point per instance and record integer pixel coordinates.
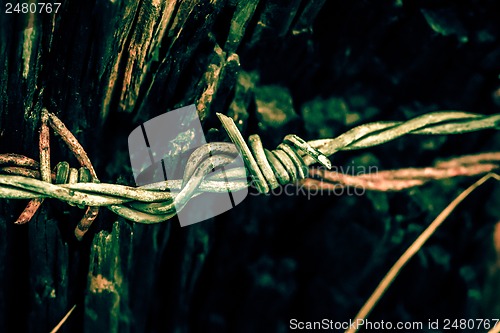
(436, 123)
(324, 181)
(266, 169)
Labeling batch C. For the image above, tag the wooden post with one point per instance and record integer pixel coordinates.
(104, 67)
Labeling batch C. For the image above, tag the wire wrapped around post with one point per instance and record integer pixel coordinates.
(264, 169)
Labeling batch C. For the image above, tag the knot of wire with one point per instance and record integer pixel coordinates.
(25, 178)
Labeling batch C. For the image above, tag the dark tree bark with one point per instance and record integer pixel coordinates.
(104, 67)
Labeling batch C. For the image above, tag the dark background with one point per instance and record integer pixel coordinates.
(314, 68)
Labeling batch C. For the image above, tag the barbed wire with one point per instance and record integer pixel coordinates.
(264, 169)
(324, 181)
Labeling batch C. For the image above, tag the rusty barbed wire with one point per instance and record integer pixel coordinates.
(401, 179)
(266, 169)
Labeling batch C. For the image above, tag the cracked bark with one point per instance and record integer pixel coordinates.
(104, 67)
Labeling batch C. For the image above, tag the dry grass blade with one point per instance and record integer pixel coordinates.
(413, 249)
(59, 325)
(495, 329)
